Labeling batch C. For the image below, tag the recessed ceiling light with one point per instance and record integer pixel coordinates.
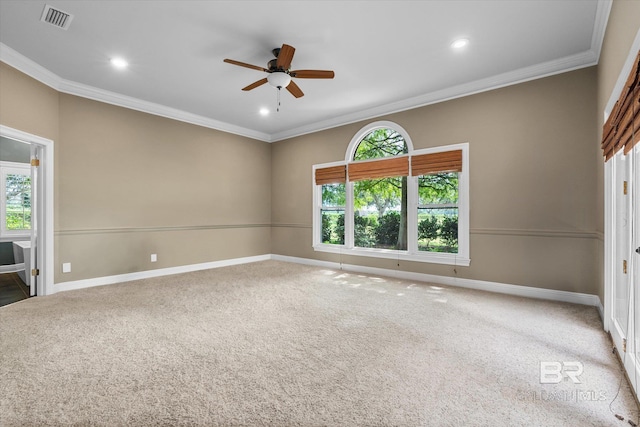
(264, 112)
(119, 63)
(460, 43)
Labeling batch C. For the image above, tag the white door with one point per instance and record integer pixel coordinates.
(621, 292)
(633, 256)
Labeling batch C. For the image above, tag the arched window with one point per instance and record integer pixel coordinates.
(388, 200)
(381, 142)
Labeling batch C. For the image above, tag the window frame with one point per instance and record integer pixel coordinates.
(412, 253)
(7, 168)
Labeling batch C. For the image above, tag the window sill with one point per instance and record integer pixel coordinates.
(430, 257)
(15, 237)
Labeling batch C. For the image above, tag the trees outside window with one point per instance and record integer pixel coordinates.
(382, 202)
(332, 212)
(388, 200)
(438, 212)
(15, 200)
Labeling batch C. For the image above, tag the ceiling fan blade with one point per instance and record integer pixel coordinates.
(285, 57)
(313, 74)
(255, 84)
(243, 64)
(294, 89)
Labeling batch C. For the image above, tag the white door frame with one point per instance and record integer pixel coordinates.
(629, 358)
(609, 201)
(44, 255)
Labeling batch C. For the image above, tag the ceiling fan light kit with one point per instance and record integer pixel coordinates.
(279, 79)
(280, 73)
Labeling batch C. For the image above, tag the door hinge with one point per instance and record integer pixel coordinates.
(624, 266)
(624, 188)
(35, 272)
(35, 162)
(624, 345)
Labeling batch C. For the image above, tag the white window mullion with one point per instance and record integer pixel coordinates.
(317, 216)
(463, 205)
(349, 224)
(412, 214)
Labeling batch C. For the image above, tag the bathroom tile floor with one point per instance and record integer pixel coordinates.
(12, 289)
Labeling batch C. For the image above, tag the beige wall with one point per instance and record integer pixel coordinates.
(623, 25)
(27, 104)
(129, 184)
(531, 178)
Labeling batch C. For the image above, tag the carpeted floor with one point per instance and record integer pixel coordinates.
(281, 344)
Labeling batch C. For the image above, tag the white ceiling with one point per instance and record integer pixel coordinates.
(388, 56)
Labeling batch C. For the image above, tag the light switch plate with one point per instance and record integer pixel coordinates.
(66, 267)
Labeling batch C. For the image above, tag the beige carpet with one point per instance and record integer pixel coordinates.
(280, 344)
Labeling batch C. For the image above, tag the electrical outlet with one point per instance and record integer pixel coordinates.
(66, 267)
(154, 257)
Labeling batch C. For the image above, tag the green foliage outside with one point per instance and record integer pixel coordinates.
(384, 201)
(381, 143)
(438, 232)
(387, 230)
(449, 231)
(19, 220)
(438, 227)
(386, 196)
(364, 231)
(18, 205)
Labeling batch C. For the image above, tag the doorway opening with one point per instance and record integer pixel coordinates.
(26, 227)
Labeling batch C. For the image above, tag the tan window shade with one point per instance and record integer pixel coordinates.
(331, 175)
(397, 166)
(446, 161)
(622, 129)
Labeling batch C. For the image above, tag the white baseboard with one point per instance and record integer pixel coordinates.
(503, 288)
(110, 280)
(600, 308)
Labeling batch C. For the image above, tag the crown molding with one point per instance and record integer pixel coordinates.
(562, 65)
(28, 67)
(603, 10)
(38, 72)
(113, 98)
(559, 66)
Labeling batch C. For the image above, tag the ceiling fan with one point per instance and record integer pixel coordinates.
(280, 74)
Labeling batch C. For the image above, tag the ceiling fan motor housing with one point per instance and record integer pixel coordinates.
(272, 65)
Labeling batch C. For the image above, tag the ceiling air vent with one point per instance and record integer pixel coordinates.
(56, 17)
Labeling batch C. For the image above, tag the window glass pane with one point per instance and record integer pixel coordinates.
(381, 143)
(438, 188)
(438, 212)
(438, 230)
(380, 213)
(332, 212)
(18, 202)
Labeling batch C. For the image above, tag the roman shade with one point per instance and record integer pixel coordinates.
(331, 175)
(445, 161)
(621, 130)
(387, 168)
